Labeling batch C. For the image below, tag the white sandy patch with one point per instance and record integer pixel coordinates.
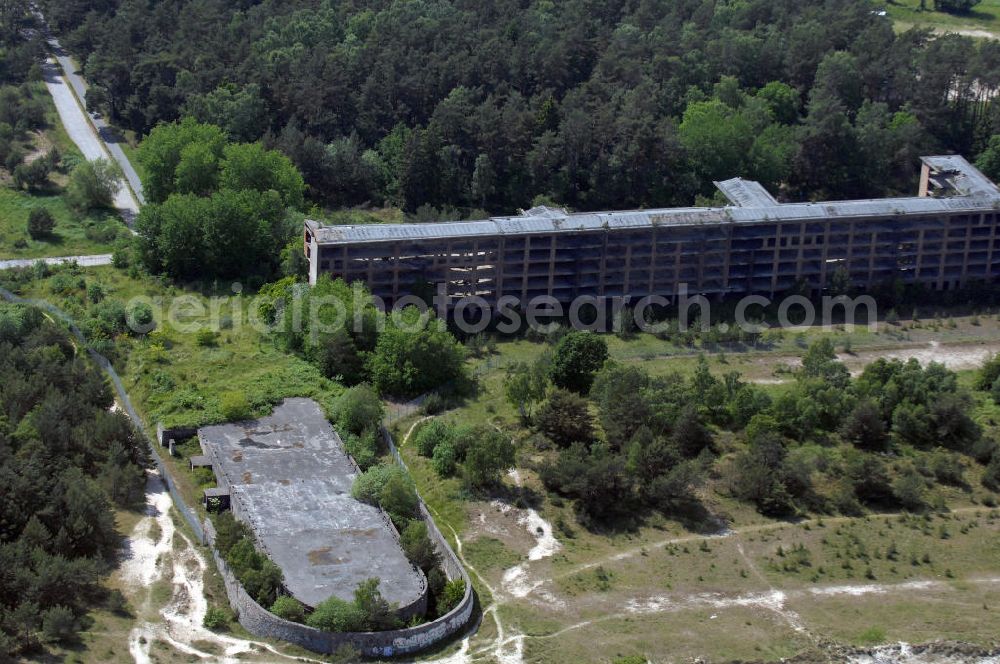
(516, 580)
(546, 544)
(902, 653)
(142, 564)
(875, 588)
(179, 623)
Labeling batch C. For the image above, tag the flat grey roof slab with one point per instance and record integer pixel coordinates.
(975, 194)
(290, 481)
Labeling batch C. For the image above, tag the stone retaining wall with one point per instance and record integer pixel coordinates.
(259, 621)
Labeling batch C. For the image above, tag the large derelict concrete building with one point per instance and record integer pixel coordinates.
(944, 238)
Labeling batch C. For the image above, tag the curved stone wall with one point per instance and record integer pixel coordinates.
(259, 621)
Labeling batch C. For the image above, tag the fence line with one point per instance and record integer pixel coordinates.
(124, 400)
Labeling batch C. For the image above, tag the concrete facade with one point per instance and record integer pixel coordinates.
(944, 238)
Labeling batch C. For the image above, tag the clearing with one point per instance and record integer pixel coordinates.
(983, 22)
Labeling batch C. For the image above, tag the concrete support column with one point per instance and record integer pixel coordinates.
(945, 240)
(776, 259)
(552, 264)
(990, 219)
(524, 269)
(726, 257)
(826, 251)
(499, 263)
(628, 269)
(652, 262)
(965, 251)
(601, 281)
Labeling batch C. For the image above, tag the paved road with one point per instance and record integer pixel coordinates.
(106, 133)
(75, 122)
(83, 261)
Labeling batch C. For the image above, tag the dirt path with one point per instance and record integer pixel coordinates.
(505, 648)
(774, 601)
(155, 553)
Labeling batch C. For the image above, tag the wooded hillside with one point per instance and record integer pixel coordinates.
(66, 461)
(593, 104)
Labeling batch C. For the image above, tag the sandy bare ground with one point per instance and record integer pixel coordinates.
(157, 552)
(508, 644)
(957, 357)
(968, 32)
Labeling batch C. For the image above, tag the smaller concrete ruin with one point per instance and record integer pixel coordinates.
(288, 477)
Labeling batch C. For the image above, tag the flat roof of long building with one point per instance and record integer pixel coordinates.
(290, 480)
(965, 187)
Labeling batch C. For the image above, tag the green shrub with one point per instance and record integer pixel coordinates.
(359, 409)
(445, 460)
(140, 318)
(336, 615)
(430, 435)
(418, 546)
(450, 596)
(289, 608)
(489, 456)
(41, 223)
(58, 625)
(96, 292)
(389, 487)
(93, 184)
(205, 337)
(117, 603)
(204, 477)
(408, 362)
(260, 577)
(363, 449)
(216, 618)
(368, 612)
(991, 476)
(234, 406)
(434, 404)
(909, 489)
(577, 358)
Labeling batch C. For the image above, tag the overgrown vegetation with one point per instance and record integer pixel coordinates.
(260, 577)
(829, 443)
(48, 201)
(480, 454)
(216, 209)
(389, 487)
(66, 462)
(400, 354)
(444, 106)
